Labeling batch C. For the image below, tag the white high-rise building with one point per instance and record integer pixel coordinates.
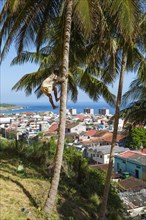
(89, 111)
(104, 111)
(73, 111)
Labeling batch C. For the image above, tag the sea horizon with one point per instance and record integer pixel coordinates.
(45, 106)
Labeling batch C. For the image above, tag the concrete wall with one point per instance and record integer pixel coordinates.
(120, 165)
(78, 129)
(125, 165)
(144, 173)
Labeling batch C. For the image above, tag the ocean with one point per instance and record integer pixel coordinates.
(44, 107)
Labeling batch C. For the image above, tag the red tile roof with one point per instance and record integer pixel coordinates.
(82, 117)
(90, 133)
(28, 113)
(53, 128)
(143, 151)
(130, 153)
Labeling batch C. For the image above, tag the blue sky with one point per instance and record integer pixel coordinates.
(9, 75)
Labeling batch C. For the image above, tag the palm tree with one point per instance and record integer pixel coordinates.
(17, 21)
(125, 49)
(27, 21)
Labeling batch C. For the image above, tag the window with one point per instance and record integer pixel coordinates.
(100, 156)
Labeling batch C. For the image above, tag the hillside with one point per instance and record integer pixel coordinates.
(4, 107)
(21, 195)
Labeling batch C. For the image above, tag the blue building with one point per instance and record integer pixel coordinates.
(133, 162)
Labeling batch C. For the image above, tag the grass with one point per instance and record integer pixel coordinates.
(22, 195)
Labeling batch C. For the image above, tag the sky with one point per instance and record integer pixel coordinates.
(9, 75)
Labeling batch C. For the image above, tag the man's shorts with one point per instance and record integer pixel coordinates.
(47, 90)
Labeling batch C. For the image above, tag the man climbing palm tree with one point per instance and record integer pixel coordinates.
(49, 85)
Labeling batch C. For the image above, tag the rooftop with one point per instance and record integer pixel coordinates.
(53, 128)
(105, 149)
(132, 184)
(136, 156)
(90, 133)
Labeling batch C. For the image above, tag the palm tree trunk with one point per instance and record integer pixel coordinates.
(50, 203)
(114, 138)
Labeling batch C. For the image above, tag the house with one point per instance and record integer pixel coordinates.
(101, 137)
(133, 162)
(53, 128)
(75, 128)
(135, 203)
(120, 125)
(133, 194)
(131, 184)
(90, 133)
(100, 154)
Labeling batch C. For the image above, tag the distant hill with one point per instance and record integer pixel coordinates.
(4, 107)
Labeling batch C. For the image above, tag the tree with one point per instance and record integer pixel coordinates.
(77, 77)
(131, 11)
(138, 138)
(17, 21)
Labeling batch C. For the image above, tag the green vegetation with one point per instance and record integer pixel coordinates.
(24, 193)
(137, 138)
(8, 107)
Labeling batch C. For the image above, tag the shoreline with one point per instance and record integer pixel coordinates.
(11, 108)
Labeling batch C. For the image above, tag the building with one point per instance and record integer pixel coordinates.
(73, 111)
(89, 111)
(133, 162)
(75, 128)
(103, 111)
(100, 154)
(120, 125)
(135, 203)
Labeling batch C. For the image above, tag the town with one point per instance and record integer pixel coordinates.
(91, 134)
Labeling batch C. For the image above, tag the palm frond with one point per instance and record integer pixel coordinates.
(22, 23)
(137, 91)
(31, 81)
(127, 14)
(135, 113)
(95, 88)
(31, 57)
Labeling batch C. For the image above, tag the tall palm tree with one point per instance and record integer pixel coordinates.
(131, 12)
(24, 20)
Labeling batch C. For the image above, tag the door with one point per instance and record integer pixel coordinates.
(137, 174)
